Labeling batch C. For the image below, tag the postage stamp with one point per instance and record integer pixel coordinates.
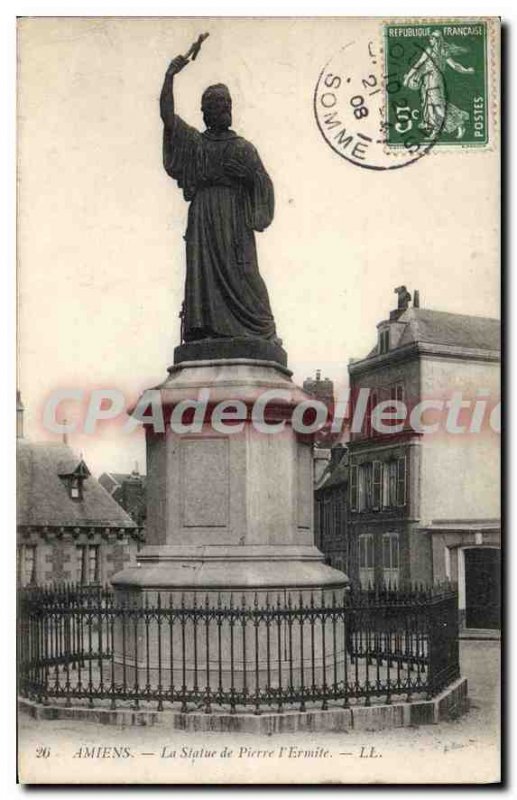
(384, 101)
(436, 84)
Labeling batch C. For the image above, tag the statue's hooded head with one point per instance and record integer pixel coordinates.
(216, 105)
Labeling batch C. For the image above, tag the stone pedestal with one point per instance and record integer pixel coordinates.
(230, 515)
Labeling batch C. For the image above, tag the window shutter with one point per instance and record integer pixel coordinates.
(401, 481)
(361, 479)
(377, 485)
(367, 486)
(392, 466)
(353, 487)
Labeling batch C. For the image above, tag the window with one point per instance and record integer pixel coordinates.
(367, 423)
(390, 559)
(76, 488)
(384, 341)
(397, 392)
(339, 500)
(376, 485)
(366, 560)
(389, 483)
(27, 564)
(371, 404)
(353, 488)
(365, 487)
(88, 563)
(401, 481)
(385, 485)
(74, 480)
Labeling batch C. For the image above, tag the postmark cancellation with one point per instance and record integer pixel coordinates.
(387, 98)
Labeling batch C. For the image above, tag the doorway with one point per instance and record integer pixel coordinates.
(483, 587)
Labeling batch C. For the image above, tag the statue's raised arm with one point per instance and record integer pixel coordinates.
(231, 196)
(167, 96)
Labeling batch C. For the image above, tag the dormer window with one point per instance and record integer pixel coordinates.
(74, 480)
(384, 341)
(76, 488)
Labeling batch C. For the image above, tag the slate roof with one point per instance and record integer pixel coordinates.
(115, 479)
(443, 328)
(335, 473)
(43, 497)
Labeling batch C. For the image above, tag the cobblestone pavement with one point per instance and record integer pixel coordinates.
(460, 751)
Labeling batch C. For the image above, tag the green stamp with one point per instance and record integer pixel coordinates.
(436, 84)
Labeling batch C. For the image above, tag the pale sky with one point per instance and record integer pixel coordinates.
(101, 253)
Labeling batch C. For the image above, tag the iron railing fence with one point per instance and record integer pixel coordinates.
(267, 651)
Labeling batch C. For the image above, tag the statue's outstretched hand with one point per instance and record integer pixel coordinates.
(177, 65)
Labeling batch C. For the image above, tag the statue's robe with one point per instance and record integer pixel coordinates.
(224, 292)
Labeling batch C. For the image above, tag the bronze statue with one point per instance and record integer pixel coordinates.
(231, 196)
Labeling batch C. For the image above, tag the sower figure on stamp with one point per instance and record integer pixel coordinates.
(427, 76)
(231, 196)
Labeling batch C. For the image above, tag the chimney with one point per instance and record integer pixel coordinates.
(403, 300)
(321, 389)
(19, 415)
(416, 299)
(65, 434)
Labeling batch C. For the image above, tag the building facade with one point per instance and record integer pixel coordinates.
(331, 510)
(68, 526)
(321, 389)
(424, 499)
